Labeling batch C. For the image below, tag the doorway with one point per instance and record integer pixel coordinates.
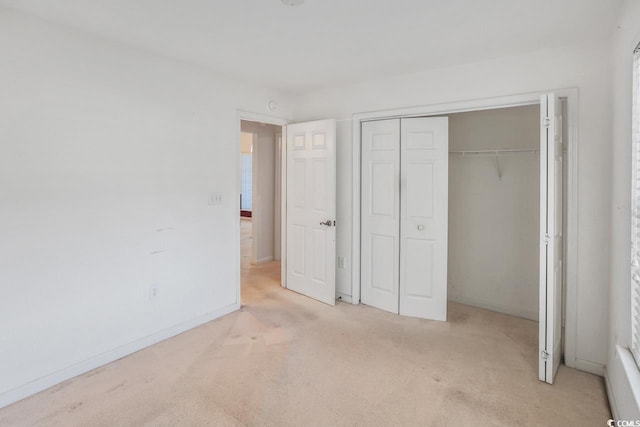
(260, 212)
(563, 237)
(304, 206)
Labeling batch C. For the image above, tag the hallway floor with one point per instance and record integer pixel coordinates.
(286, 360)
(256, 279)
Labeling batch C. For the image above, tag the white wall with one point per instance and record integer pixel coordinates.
(585, 67)
(493, 222)
(621, 372)
(264, 189)
(108, 157)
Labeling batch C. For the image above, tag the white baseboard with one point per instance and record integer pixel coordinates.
(343, 297)
(611, 396)
(264, 260)
(80, 368)
(488, 305)
(591, 367)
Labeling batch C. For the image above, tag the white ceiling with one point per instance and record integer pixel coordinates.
(329, 42)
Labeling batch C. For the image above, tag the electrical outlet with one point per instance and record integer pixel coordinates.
(153, 292)
(215, 199)
(340, 262)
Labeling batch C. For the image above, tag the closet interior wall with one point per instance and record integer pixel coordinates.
(494, 220)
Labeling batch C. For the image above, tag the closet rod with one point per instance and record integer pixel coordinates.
(494, 152)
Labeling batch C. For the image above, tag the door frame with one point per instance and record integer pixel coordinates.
(277, 121)
(532, 98)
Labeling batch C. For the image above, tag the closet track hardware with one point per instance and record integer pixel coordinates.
(496, 154)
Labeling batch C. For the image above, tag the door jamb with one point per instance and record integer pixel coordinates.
(571, 95)
(277, 121)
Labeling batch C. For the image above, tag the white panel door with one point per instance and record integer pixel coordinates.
(380, 210)
(424, 187)
(551, 262)
(311, 209)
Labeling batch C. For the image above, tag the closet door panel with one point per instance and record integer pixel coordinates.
(419, 269)
(419, 193)
(380, 210)
(551, 239)
(423, 224)
(382, 265)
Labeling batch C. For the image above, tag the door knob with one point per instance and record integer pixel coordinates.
(420, 227)
(327, 223)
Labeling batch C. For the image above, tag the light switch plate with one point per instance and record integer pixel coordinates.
(215, 198)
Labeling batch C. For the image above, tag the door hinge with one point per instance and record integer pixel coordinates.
(546, 239)
(544, 355)
(546, 121)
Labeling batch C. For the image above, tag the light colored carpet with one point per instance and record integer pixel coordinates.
(286, 360)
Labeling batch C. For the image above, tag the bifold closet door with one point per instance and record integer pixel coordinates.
(380, 210)
(551, 239)
(404, 210)
(424, 200)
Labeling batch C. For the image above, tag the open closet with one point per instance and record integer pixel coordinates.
(494, 209)
(507, 216)
(467, 207)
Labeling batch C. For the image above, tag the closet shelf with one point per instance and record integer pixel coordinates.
(496, 154)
